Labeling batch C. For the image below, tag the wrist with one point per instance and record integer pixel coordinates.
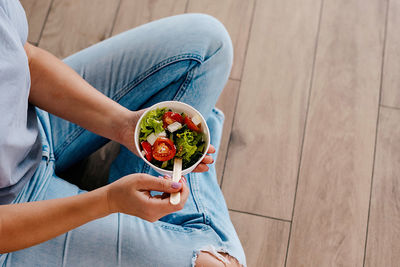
(121, 124)
(126, 131)
(103, 201)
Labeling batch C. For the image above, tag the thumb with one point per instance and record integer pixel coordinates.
(151, 183)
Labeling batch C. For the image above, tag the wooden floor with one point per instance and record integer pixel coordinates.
(310, 158)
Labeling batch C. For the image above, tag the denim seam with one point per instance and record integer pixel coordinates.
(146, 168)
(119, 240)
(192, 192)
(75, 134)
(65, 250)
(183, 229)
(184, 86)
(197, 200)
(45, 184)
(176, 228)
(127, 88)
(123, 91)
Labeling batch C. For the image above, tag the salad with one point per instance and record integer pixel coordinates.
(165, 135)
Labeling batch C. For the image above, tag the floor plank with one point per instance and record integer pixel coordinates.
(138, 12)
(236, 16)
(331, 210)
(264, 240)
(74, 25)
(391, 77)
(227, 103)
(36, 12)
(263, 156)
(383, 246)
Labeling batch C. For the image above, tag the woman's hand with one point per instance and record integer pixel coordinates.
(202, 167)
(131, 195)
(127, 138)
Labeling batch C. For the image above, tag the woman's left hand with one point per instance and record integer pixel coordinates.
(127, 138)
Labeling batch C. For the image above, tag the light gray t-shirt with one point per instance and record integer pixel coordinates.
(20, 148)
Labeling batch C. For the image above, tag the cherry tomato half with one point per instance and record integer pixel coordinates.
(171, 117)
(147, 149)
(191, 125)
(163, 149)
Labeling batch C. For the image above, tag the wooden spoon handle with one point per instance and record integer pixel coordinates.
(175, 198)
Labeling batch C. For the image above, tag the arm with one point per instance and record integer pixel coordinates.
(58, 89)
(26, 224)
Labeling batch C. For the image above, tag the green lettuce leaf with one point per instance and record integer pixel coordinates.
(186, 144)
(152, 122)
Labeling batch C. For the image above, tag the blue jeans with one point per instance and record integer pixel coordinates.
(185, 58)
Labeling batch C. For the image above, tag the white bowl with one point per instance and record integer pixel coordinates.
(176, 107)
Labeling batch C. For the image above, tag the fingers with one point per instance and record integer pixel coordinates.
(161, 206)
(151, 183)
(208, 160)
(201, 168)
(211, 149)
(185, 191)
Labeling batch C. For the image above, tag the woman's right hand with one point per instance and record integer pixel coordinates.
(131, 195)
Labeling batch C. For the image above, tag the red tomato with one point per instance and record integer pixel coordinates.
(163, 149)
(171, 117)
(147, 149)
(191, 125)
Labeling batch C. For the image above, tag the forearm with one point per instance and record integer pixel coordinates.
(26, 224)
(58, 89)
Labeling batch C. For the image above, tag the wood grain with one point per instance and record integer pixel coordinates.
(331, 210)
(264, 240)
(134, 13)
(76, 24)
(236, 16)
(36, 12)
(383, 246)
(391, 77)
(263, 156)
(227, 103)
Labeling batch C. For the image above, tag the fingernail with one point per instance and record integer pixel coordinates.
(167, 177)
(176, 185)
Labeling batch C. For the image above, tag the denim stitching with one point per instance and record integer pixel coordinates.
(175, 227)
(146, 168)
(198, 202)
(153, 70)
(75, 134)
(182, 90)
(183, 229)
(127, 88)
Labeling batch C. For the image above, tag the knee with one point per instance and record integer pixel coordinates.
(214, 37)
(205, 259)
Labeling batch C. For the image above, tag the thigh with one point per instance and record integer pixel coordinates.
(186, 58)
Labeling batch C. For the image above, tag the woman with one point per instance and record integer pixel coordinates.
(44, 220)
